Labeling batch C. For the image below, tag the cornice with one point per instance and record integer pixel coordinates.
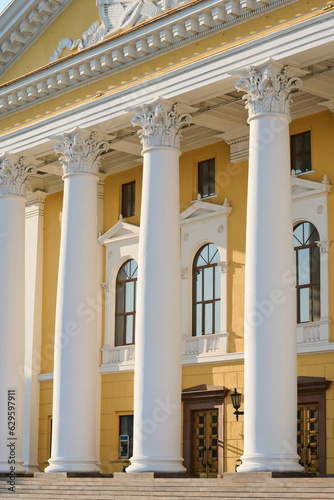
(22, 23)
(215, 67)
(181, 27)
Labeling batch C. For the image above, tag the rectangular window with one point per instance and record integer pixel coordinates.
(125, 436)
(128, 199)
(301, 152)
(206, 178)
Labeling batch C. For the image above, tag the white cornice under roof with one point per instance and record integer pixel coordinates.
(173, 30)
(22, 23)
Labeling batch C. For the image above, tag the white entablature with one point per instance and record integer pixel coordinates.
(178, 27)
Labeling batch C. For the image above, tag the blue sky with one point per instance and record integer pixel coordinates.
(3, 4)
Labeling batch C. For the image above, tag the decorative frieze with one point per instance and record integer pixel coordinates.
(160, 124)
(180, 26)
(14, 175)
(268, 90)
(80, 152)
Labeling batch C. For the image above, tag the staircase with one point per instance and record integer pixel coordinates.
(241, 486)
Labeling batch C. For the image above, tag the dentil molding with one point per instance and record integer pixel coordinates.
(160, 124)
(268, 89)
(80, 152)
(14, 175)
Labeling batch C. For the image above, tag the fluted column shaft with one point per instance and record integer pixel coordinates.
(76, 339)
(13, 177)
(158, 363)
(270, 303)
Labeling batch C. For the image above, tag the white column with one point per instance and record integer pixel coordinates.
(76, 337)
(158, 363)
(13, 176)
(270, 302)
(33, 326)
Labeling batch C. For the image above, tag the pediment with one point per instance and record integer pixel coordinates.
(121, 231)
(301, 188)
(200, 210)
(31, 31)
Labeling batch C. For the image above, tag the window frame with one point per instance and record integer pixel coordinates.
(200, 165)
(292, 152)
(216, 303)
(125, 415)
(125, 314)
(311, 284)
(132, 184)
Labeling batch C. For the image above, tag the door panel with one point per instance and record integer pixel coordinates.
(308, 436)
(205, 442)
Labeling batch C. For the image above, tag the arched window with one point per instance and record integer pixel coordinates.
(307, 266)
(126, 303)
(206, 291)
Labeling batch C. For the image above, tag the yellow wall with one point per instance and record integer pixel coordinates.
(52, 222)
(117, 399)
(45, 415)
(112, 206)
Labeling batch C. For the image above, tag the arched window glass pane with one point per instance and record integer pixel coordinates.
(126, 284)
(307, 268)
(206, 291)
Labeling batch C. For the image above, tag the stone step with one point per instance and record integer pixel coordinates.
(146, 487)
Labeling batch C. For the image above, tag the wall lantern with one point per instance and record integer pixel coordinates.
(236, 402)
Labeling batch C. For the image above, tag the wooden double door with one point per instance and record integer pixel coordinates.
(308, 436)
(205, 427)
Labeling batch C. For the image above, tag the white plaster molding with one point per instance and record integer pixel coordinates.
(22, 23)
(14, 175)
(126, 49)
(224, 266)
(323, 245)
(205, 349)
(203, 222)
(328, 104)
(268, 89)
(34, 233)
(122, 243)
(239, 144)
(184, 273)
(160, 124)
(45, 377)
(307, 198)
(79, 152)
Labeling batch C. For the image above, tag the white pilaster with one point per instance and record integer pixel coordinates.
(270, 303)
(13, 177)
(158, 363)
(33, 326)
(76, 337)
(99, 308)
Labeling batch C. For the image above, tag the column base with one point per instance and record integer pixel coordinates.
(74, 465)
(156, 464)
(5, 468)
(31, 469)
(263, 463)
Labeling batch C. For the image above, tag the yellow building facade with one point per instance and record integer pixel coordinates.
(97, 81)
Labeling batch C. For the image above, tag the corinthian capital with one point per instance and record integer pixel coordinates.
(80, 152)
(268, 90)
(14, 175)
(160, 124)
